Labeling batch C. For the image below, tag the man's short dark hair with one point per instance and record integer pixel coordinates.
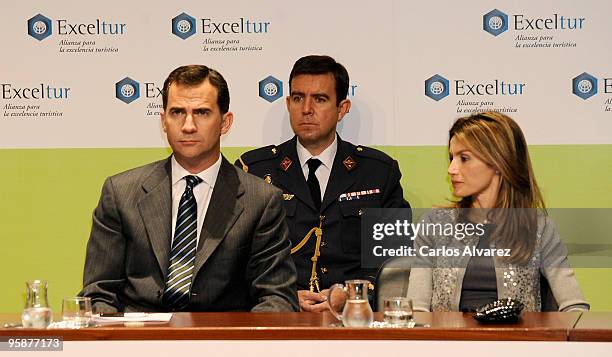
(194, 75)
(316, 64)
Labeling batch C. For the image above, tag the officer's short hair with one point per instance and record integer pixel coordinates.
(318, 64)
(196, 74)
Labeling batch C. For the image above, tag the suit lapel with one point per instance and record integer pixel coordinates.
(340, 179)
(293, 178)
(223, 211)
(156, 212)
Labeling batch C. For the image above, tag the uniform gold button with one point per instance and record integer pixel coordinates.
(324, 270)
(359, 148)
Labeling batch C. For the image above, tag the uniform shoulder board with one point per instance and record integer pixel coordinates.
(261, 154)
(364, 151)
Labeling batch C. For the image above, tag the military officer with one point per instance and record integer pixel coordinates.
(327, 182)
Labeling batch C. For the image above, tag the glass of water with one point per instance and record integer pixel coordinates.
(76, 312)
(398, 311)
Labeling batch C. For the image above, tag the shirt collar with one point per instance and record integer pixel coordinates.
(326, 157)
(209, 176)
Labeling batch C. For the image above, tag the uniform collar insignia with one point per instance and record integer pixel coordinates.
(349, 163)
(286, 163)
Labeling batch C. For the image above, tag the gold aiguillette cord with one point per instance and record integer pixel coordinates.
(314, 279)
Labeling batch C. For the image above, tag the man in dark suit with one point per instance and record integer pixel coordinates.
(191, 232)
(327, 182)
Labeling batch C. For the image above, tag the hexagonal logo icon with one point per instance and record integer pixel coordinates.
(183, 26)
(270, 88)
(436, 87)
(127, 90)
(40, 27)
(495, 22)
(584, 85)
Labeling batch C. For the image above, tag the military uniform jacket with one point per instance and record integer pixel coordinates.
(360, 177)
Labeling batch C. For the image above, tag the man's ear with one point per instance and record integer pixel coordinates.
(163, 120)
(343, 108)
(226, 122)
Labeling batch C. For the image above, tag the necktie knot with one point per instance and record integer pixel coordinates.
(313, 165)
(192, 181)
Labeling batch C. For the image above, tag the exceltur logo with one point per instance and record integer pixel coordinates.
(270, 89)
(41, 91)
(40, 27)
(127, 90)
(185, 25)
(438, 87)
(584, 86)
(497, 22)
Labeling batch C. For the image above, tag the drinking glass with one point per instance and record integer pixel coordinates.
(397, 311)
(76, 312)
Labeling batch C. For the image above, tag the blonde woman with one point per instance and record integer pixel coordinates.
(492, 176)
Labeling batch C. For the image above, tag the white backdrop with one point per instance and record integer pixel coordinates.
(389, 47)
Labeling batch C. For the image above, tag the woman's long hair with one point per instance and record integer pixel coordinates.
(498, 141)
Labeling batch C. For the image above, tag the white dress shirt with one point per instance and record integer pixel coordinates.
(202, 191)
(327, 161)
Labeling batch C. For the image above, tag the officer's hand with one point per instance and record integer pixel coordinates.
(313, 302)
(338, 298)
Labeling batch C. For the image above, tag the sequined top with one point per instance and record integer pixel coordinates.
(436, 281)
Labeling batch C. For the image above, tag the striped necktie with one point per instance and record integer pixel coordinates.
(183, 251)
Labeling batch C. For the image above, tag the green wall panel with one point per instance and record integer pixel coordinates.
(47, 197)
